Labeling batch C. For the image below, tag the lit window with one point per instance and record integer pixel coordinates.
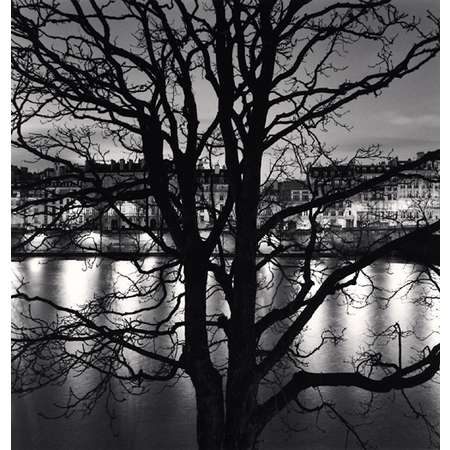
(295, 196)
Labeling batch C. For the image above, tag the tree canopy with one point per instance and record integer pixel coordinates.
(143, 75)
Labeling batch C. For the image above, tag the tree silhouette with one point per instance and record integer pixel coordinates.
(138, 73)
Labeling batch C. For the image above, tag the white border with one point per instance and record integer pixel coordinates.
(5, 314)
(5, 232)
(445, 242)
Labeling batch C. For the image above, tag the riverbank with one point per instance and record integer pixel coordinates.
(128, 246)
(126, 256)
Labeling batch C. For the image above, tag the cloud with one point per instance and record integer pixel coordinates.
(424, 120)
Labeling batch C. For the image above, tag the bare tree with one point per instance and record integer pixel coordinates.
(80, 78)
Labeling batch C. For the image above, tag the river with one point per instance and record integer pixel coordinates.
(164, 418)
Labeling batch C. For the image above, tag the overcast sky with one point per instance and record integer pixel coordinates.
(404, 118)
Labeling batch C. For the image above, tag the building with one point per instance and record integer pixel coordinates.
(402, 201)
(212, 191)
(57, 198)
(119, 177)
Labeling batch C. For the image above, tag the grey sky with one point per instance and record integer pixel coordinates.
(404, 118)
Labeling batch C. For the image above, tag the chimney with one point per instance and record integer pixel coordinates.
(60, 170)
(393, 162)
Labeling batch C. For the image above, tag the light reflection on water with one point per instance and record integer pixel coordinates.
(164, 418)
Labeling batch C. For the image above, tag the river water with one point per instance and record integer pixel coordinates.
(164, 418)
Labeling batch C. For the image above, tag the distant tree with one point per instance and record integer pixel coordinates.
(137, 72)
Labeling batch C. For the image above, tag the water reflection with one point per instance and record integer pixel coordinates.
(164, 418)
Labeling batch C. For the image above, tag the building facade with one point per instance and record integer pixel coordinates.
(52, 197)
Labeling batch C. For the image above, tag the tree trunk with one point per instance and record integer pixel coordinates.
(206, 379)
(210, 415)
(240, 432)
(241, 398)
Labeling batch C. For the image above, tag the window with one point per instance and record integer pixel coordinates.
(295, 196)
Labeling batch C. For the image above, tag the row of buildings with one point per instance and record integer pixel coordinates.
(49, 199)
(402, 201)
